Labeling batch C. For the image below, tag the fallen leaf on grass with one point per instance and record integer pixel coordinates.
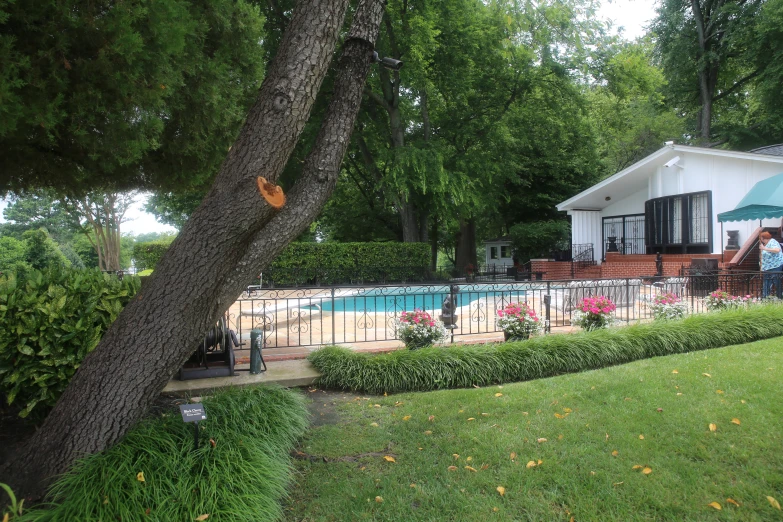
(513, 455)
(706, 375)
(140, 476)
(413, 485)
(452, 468)
(567, 410)
(713, 426)
(201, 518)
(428, 432)
(406, 418)
(637, 466)
(561, 416)
(212, 442)
(772, 502)
(498, 395)
(389, 458)
(732, 501)
(735, 421)
(647, 471)
(617, 483)
(660, 410)
(715, 505)
(501, 490)
(484, 466)
(742, 401)
(531, 464)
(374, 424)
(379, 499)
(495, 509)
(641, 437)
(469, 459)
(718, 391)
(431, 418)
(615, 453)
(455, 455)
(542, 439)
(469, 468)
(376, 405)
(471, 418)
(675, 371)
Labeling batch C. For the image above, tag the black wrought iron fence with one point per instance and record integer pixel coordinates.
(305, 318)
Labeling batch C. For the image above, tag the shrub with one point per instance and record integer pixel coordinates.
(518, 321)
(147, 255)
(667, 306)
(721, 300)
(243, 476)
(418, 329)
(538, 239)
(594, 313)
(51, 321)
(466, 366)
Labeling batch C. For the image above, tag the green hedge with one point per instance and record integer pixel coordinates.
(465, 366)
(243, 476)
(147, 255)
(330, 263)
(51, 321)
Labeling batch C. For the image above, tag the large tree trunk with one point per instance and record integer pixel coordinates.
(231, 237)
(466, 245)
(708, 68)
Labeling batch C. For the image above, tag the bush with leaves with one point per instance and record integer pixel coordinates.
(518, 321)
(418, 329)
(51, 320)
(667, 306)
(594, 313)
(539, 239)
(722, 300)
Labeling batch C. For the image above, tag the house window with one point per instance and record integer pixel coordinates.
(493, 252)
(624, 234)
(680, 224)
(504, 252)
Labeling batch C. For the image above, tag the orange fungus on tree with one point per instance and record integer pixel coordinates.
(272, 193)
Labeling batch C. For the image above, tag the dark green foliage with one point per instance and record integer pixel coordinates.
(147, 255)
(465, 366)
(325, 263)
(244, 476)
(51, 321)
(538, 239)
(42, 252)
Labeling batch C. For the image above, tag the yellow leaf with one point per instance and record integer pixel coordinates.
(452, 468)
(773, 502)
(428, 432)
(374, 424)
(513, 455)
(713, 426)
(641, 437)
(567, 410)
(471, 469)
(389, 458)
(379, 499)
(485, 414)
(413, 485)
(431, 418)
(484, 466)
(559, 416)
(732, 501)
(455, 455)
(376, 405)
(617, 483)
(675, 371)
(715, 505)
(201, 518)
(501, 490)
(471, 419)
(735, 421)
(706, 375)
(540, 462)
(560, 437)
(542, 439)
(5, 517)
(406, 418)
(498, 395)
(495, 509)
(469, 459)
(647, 471)
(531, 464)
(637, 466)
(679, 393)
(615, 453)
(140, 476)
(742, 401)
(105, 499)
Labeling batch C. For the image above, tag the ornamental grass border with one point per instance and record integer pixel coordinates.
(437, 368)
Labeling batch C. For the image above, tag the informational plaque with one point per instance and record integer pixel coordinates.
(193, 412)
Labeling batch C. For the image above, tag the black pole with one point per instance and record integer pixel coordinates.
(195, 435)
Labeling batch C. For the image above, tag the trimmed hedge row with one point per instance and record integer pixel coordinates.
(242, 476)
(330, 263)
(51, 321)
(465, 366)
(147, 255)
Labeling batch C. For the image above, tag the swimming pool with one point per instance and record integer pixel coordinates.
(408, 299)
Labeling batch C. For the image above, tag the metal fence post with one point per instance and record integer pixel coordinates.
(547, 302)
(334, 330)
(627, 298)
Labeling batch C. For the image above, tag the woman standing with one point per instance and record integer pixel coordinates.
(771, 264)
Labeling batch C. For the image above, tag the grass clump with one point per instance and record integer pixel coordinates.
(594, 433)
(463, 366)
(242, 476)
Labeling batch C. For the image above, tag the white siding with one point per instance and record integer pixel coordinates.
(586, 228)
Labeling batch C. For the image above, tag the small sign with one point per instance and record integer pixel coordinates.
(193, 412)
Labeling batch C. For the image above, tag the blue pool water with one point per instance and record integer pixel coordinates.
(408, 302)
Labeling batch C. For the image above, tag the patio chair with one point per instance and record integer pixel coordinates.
(623, 293)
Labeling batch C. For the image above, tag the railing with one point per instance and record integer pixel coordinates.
(305, 318)
(582, 256)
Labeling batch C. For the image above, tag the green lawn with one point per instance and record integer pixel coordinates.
(645, 412)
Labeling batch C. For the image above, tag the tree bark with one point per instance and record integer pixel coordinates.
(466, 245)
(232, 236)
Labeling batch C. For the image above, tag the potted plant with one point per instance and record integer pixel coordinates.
(594, 313)
(518, 321)
(418, 329)
(668, 306)
(722, 300)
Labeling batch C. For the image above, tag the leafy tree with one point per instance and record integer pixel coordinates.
(13, 255)
(539, 238)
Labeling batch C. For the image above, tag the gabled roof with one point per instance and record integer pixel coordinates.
(635, 176)
(770, 150)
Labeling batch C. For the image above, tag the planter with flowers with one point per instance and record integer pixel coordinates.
(518, 321)
(594, 313)
(418, 329)
(668, 306)
(722, 300)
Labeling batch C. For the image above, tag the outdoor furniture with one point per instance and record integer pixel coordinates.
(623, 292)
(673, 285)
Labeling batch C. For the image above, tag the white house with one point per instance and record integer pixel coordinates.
(669, 201)
(498, 252)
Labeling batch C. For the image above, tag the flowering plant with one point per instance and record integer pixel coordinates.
(668, 306)
(594, 313)
(722, 300)
(518, 321)
(418, 329)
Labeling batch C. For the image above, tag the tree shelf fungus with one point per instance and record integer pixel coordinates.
(272, 193)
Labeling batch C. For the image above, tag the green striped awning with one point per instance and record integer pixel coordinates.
(765, 200)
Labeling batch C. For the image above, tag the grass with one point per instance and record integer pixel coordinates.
(243, 476)
(465, 366)
(584, 418)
